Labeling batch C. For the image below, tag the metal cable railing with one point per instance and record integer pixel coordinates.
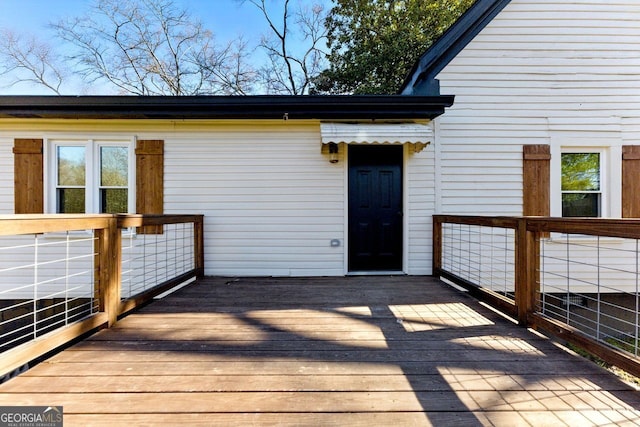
(591, 283)
(151, 259)
(46, 282)
(480, 254)
(64, 275)
(578, 279)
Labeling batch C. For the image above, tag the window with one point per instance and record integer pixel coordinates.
(581, 184)
(91, 177)
(114, 177)
(71, 179)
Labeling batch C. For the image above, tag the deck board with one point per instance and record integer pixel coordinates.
(358, 351)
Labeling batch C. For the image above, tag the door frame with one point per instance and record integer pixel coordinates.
(405, 218)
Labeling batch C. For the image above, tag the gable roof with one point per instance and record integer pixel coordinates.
(421, 79)
(322, 107)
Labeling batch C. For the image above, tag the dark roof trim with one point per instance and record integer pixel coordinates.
(345, 107)
(421, 79)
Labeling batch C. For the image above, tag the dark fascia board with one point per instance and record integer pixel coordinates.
(322, 107)
(421, 79)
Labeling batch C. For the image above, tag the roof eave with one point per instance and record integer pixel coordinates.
(329, 107)
(421, 79)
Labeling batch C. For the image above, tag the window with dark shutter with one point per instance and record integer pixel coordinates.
(581, 184)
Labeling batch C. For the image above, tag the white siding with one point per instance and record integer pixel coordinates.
(420, 207)
(272, 201)
(541, 72)
(6, 176)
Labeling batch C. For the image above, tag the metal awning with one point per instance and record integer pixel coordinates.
(419, 135)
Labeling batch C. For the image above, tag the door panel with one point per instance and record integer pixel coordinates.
(375, 208)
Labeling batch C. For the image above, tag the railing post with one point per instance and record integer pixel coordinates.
(437, 246)
(108, 269)
(526, 271)
(198, 241)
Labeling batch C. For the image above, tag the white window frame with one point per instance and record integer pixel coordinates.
(603, 160)
(610, 149)
(92, 157)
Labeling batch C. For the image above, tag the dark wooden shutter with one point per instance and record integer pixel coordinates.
(631, 181)
(150, 181)
(28, 176)
(536, 177)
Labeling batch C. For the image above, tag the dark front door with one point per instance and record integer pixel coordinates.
(375, 208)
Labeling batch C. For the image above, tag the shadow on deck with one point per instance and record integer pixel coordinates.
(357, 351)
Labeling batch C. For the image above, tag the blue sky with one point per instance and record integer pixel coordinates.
(226, 18)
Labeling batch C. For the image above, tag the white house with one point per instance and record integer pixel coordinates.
(561, 74)
(547, 93)
(336, 185)
(300, 186)
(545, 122)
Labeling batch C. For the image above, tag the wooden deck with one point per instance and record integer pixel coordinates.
(357, 351)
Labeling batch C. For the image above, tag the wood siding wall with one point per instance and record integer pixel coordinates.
(542, 72)
(420, 207)
(7, 185)
(272, 201)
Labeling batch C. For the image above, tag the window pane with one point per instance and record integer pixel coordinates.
(114, 200)
(580, 172)
(70, 200)
(71, 166)
(114, 166)
(581, 204)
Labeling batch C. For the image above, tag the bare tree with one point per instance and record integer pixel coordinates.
(152, 47)
(29, 60)
(233, 69)
(286, 71)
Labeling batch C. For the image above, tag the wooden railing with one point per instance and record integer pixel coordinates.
(61, 276)
(577, 279)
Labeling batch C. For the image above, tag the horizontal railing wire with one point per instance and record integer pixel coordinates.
(64, 270)
(577, 278)
(150, 260)
(47, 283)
(591, 283)
(484, 256)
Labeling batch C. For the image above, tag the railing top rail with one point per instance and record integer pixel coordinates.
(486, 221)
(52, 223)
(138, 220)
(32, 224)
(605, 227)
(52, 216)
